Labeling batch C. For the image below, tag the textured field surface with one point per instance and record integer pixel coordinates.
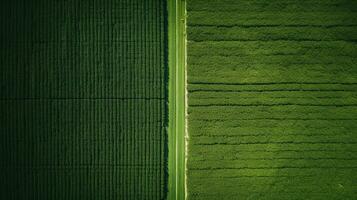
(272, 99)
(83, 100)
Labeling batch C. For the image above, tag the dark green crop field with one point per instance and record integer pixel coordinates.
(272, 94)
(83, 99)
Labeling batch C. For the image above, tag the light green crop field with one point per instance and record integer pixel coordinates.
(272, 94)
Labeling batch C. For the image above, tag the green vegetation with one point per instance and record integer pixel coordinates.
(177, 87)
(272, 99)
(83, 100)
(93, 99)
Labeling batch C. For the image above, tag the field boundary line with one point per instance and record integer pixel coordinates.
(177, 99)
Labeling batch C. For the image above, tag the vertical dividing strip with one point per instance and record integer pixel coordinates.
(177, 100)
(185, 114)
(180, 99)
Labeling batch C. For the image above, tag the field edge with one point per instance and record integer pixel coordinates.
(176, 103)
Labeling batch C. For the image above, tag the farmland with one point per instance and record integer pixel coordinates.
(83, 100)
(93, 99)
(272, 99)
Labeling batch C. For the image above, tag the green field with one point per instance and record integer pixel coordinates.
(272, 99)
(94, 95)
(83, 100)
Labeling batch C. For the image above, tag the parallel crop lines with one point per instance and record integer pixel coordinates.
(272, 93)
(83, 100)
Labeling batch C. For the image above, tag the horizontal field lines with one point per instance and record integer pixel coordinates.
(271, 25)
(289, 94)
(272, 94)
